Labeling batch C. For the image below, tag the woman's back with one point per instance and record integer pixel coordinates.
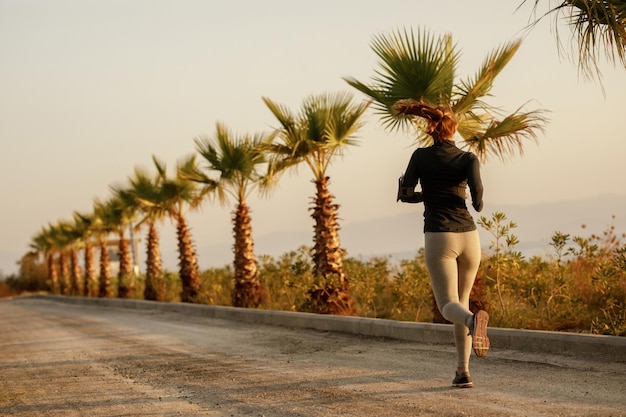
(444, 172)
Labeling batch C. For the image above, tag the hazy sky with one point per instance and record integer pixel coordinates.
(91, 89)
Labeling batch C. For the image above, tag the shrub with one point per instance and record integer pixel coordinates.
(580, 287)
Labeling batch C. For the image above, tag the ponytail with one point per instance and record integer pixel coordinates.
(441, 121)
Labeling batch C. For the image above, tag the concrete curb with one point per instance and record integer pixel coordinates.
(611, 348)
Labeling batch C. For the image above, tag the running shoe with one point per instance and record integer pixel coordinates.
(462, 379)
(478, 331)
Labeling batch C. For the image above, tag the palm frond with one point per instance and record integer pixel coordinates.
(333, 119)
(231, 162)
(284, 116)
(598, 26)
(474, 88)
(325, 125)
(146, 192)
(160, 166)
(419, 66)
(505, 137)
(422, 67)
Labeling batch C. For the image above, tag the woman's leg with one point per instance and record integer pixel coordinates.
(452, 260)
(468, 263)
(441, 252)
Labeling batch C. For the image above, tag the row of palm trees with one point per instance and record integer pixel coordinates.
(227, 166)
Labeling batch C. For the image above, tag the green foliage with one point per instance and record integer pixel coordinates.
(32, 277)
(173, 286)
(581, 288)
(217, 286)
(369, 282)
(411, 291)
(504, 263)
(287, 279)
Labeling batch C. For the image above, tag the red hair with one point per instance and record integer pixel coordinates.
(441, 120)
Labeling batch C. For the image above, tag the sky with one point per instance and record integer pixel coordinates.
(89, 90)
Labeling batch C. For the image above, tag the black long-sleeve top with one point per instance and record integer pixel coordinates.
(444, 172)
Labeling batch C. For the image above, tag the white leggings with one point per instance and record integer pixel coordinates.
(452, 260)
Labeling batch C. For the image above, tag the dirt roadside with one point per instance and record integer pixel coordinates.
(60, 359)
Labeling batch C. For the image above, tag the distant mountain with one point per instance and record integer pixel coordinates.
(538, 222)
(402, 235)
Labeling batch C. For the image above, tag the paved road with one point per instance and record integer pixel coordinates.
(60, 359)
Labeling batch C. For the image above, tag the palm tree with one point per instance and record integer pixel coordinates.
(121, 210)
(32, 273)
(85, 225)
(237, 161)
(147, 192)
(597, 26)
(71, 237)
(325, 127)
(42, 244)
(424, 68)
(102, 229)
(178, 194)
(60, 241)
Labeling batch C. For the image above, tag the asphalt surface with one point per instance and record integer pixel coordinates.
(92, 357)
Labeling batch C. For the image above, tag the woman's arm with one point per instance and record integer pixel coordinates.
(408, 182)
(408, 194)
(475, 183)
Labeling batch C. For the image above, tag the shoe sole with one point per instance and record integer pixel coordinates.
(467, 385)
(480, 341)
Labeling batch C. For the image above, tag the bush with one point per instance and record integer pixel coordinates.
(581, 287)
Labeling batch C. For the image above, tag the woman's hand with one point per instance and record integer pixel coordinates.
(408, 194)
(415, 198)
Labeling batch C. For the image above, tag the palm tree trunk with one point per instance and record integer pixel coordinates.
(53, 275)
(154, 267)
(64, 273)
(90, 282)
(248, 291)
(125, 283)
(188, 264)
(75, 272)
(105, 271)
(333, 295)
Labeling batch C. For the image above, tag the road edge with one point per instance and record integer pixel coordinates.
(577, 344)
